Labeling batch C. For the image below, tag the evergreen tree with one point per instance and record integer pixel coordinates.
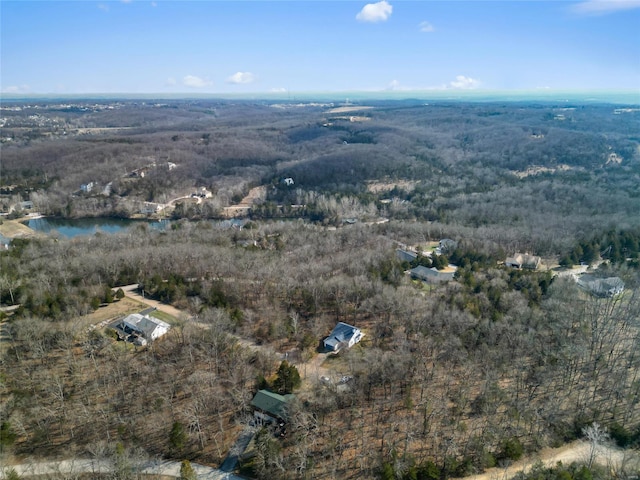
(288, 378)
(186, 471)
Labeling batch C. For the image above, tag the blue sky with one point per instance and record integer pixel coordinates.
(162, 46)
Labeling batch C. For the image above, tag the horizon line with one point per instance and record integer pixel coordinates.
(632, 96)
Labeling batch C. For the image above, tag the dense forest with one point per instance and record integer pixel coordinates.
(449, 380)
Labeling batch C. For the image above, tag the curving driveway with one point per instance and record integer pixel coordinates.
(132, 292)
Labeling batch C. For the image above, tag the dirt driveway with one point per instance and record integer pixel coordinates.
(577, 451)
(131, 292)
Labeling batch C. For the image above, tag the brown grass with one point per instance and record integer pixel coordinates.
(355, 108)
(15, 229)
(113, 310)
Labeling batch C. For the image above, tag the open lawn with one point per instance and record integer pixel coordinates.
(165, 317)
(14, 229)
(113, 310)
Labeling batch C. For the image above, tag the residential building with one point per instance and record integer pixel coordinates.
(5, 242)
(342, 335)
(150, 208)
(433, 275)
(406, 255)
(523, 260)
(147, 327)
(87, 187)
(601, 287)
(446, 246)
(270, 407)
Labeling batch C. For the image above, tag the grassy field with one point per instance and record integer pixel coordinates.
(165, 317)
(113, 310)
(13, 229)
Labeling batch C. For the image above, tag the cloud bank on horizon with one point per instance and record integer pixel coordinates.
(193, 81)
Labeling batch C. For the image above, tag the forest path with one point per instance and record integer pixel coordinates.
(577, 451)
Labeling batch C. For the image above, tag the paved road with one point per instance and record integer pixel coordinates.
(238, 449)
(75, 466)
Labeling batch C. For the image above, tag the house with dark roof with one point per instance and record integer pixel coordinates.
(342, 335)
(271, 407)
(446, 245)
(601, 287)
(432, 275)
(523, 260)
(406, 255)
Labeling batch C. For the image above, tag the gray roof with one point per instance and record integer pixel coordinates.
(602, 287)
(447, 245)
(423, 273)
(341, 333)
(405, 255)
(144, 324)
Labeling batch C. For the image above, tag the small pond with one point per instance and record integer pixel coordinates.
(74, 227)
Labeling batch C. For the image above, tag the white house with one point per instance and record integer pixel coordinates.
(87, 187)
(148, 327)
(523, 260)
(202, 192)
(288, 181)
(342, 335)
(150, 208)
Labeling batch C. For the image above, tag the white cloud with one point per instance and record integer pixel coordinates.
(464, 83)
(171, 81)
(375, 12)
(195, 82)
(16, 89)
(426, 27)
(241, 78)
(602, 7)
(395, 85)
(103, 7)
(154, 4)
(279, 90)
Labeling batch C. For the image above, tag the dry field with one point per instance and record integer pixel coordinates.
(242, 209)
(378, 187)
(113, 310)
(536, 170)
(354, 108)
(15, 229)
